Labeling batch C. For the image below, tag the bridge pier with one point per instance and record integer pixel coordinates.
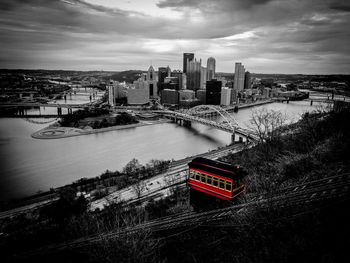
(238, 139)
(186, 123)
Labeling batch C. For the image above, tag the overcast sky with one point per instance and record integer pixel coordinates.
(267, 36)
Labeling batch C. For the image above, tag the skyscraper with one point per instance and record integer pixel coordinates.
(187, 57)
(193, 74)
(239, 77)
(247, 80)
(152, 82)
(178, 74)
(211, 68)
(163, 72)
(203, 78)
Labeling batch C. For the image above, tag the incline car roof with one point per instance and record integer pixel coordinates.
(228, 169)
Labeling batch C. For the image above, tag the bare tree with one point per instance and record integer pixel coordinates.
(267, 123)
(139, 187)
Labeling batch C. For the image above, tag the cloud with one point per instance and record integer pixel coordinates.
(266, 35)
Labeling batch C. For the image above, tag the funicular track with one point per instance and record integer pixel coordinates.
(335, 188)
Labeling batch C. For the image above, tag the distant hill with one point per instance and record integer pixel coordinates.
(127, 76)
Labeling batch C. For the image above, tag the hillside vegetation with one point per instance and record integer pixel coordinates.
(316, 147)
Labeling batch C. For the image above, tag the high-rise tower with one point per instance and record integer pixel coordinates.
(152, 82)
(247, 80)
(211, 68)
(239, 77)
(187, 57)
(193, 74)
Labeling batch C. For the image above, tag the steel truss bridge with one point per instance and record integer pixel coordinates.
(208, 115)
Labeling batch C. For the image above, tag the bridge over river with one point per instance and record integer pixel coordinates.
(208, 115)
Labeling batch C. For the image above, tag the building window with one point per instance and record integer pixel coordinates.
(151, 89)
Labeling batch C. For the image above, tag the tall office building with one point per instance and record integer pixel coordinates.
(152, 82)
(184, 81)
(247, 80)
(225, 96)
(239, 77)
(171, 83)
(193, 74)
(116, 91)
(111, 95)
(204, 79)
(211, 68)
(177, 74)
(187, 57)
(213, 92)
(163, 72)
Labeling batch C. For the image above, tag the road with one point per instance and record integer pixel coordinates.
(160, 185)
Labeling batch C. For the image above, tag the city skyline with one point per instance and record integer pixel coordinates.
(270, 36)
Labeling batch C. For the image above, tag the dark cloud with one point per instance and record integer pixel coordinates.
(82, 34)
(340, 6)
(207, 4)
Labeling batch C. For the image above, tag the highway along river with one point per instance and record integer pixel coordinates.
(30, 165)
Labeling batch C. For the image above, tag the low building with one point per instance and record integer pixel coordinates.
(169, 97)
(138, 96)
(186, 95)
(201, 96)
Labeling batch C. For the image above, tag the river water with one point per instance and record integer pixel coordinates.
(30, 165)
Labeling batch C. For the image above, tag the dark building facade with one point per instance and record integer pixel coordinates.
(163, 72)
(193, 74)
(169, 97)
(189, 57)
(171, 83)
(213, 92)
(177, 74)
(247, 80)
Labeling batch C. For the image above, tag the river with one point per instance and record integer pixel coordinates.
(30, 165)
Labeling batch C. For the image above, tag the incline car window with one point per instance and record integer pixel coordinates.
(222, 184)
(191, 174)
(211, 180)
(197, 176)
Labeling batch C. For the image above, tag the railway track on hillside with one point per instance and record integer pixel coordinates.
(335, 188)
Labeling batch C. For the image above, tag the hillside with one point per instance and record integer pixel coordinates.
(314, 149)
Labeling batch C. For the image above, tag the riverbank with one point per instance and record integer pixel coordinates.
(253, 104)
(57, 132)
